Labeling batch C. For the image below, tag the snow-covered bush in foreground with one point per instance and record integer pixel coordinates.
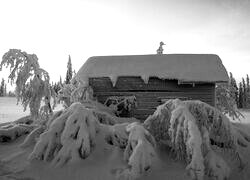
(193, 129)
(70, 137)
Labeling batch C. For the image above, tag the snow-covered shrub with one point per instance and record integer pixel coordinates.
(216, 167)
(75, 92)
(195, 130)
(70, 137)
(158, 124)
(31, 138)
(225, 100)
(42, 125)
(104, 117)
(118, 135)
(186, 140)
(121, 104)
(139, 152)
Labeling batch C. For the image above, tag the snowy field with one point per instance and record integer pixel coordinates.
(10, 111)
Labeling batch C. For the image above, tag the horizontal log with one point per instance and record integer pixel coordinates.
(152, 94)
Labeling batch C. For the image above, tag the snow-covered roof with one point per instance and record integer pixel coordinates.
(182, 67)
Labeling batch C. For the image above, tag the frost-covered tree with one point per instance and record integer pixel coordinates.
(75, 92)
(196, 131)
(32, 86)
(233, 88)
(32, 82)
(69, 73)
(225, 100)
(244, 94)
(60, 81)
(240, 95)
(247, 92)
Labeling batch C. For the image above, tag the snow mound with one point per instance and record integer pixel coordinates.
(139, 152)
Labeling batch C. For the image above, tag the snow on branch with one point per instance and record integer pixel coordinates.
(70, 137)
(75, 92)
(139, 152)
(195, 130)
(11, 132)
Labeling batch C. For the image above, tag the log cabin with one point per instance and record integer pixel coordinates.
(153, 79)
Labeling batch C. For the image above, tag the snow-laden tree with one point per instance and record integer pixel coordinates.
(32, 83)
(225, 100)
(195, 131)
(75, 92)
(69, 73)
(192, 129)
(71, 135)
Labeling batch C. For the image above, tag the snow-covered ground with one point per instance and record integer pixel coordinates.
(101, 164)
(10, 110)
(246, 114)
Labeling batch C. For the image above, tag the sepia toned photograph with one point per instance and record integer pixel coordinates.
(124, 90)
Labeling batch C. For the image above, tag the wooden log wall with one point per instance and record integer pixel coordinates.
(150, 95)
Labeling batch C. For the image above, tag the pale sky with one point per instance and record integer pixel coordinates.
(53, 29)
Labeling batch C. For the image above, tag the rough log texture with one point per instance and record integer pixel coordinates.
(151, 95)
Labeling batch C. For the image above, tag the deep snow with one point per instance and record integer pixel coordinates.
(101, 164)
